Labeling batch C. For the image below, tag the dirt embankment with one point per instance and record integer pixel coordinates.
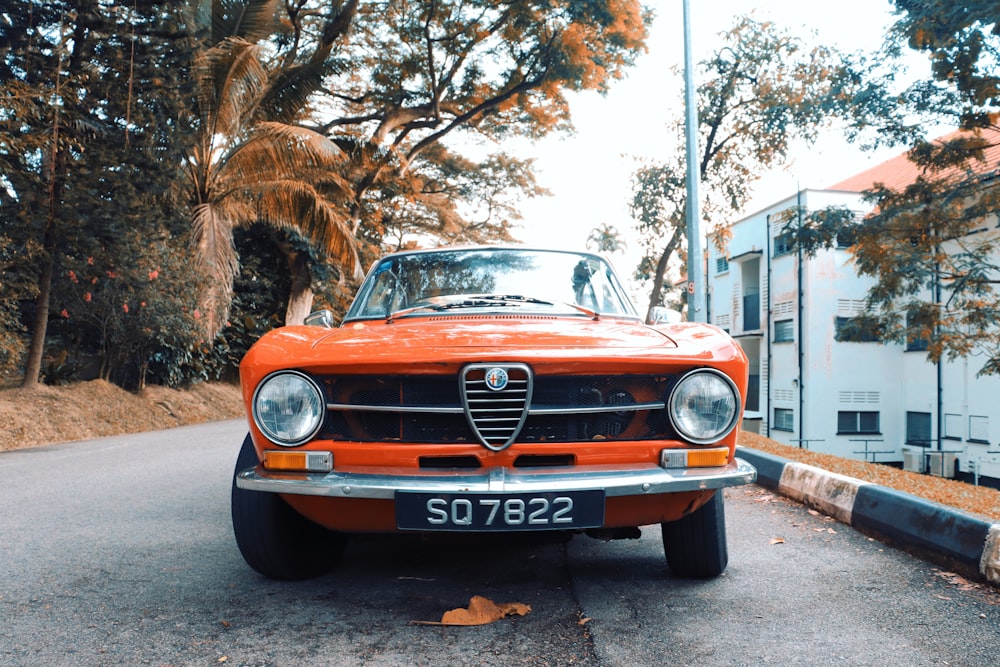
(95, 409)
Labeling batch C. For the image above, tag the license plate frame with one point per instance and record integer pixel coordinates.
(499, 512)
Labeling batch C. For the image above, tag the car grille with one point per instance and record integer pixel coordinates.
(496, 414)
(529, 409)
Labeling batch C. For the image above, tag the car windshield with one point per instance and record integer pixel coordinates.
(429, 282)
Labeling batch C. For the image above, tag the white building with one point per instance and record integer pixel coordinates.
(864, 400)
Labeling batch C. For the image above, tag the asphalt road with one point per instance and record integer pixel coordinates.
(119, 552)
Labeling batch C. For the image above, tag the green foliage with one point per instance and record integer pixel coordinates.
(812, 231)
(260, 291)
(484, 70)
(762, 90)
(90, 97)
(934, 255)
(393, 80)
(330, 123)
(931, 244)
(962, 41)
(59, 370)
(132, 307)
(17, 286)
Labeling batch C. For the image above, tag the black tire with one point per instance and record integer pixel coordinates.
(695, 545)
(274, 539)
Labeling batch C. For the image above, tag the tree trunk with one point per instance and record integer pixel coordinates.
(661, 271)
(56, 161)
(300, 296)
(36, 349)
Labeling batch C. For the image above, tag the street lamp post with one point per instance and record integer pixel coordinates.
(696, 279)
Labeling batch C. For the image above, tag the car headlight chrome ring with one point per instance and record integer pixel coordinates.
(288, 407)
(704, 406)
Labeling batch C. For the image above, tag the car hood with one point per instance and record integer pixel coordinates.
(497, 333)
(435, 345)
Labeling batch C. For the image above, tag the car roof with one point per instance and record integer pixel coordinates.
(461, 248)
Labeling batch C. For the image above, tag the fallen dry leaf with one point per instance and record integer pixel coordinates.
(481, 611)
(953, 579)
(777, 540)
(584, 621)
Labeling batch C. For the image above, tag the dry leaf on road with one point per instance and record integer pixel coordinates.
(481, 611)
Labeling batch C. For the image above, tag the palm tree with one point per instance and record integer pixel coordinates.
(607, 239)
(251, 164)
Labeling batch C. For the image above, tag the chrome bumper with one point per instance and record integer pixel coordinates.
(648, 480)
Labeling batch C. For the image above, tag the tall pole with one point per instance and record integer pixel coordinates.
(696, 279)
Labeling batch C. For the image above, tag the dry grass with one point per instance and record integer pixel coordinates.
(95, 409)
(978, 500)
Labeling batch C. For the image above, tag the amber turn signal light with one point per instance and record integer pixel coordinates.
(302, 461)
(694, 458)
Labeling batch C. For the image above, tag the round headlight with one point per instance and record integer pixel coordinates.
(704, 406)
(289, 408)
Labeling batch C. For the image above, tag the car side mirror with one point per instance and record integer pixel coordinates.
(320, 318)
(663, 315)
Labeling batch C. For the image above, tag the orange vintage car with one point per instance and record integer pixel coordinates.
(488, 389)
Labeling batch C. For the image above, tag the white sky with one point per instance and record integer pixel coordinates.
(589, 173)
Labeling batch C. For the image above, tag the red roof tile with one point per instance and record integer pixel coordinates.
(898, 172)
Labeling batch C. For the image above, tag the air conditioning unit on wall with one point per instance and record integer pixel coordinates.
(942, 464)
(913, 459)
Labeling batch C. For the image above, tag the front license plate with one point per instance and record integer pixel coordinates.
(499, 511)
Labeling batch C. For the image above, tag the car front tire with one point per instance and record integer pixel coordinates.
(274, 539)
(695, 545)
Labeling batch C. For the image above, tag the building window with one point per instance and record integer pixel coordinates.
(953, 427)
(721, 264)
(979, 429)
(857, 329)
(783, 331)
(916, 336)
(847, 237)
(784, 420)
(782, 244)
(751, 312)
(850, 422)
(753, 393)
(918, 429)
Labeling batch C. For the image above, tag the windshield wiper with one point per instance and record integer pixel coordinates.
(517, 298)
(593, 314)
(481, 300)
(514, 298)
(476, 302)
(412, 309)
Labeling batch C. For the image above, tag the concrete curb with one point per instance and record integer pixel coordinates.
(928, 528)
